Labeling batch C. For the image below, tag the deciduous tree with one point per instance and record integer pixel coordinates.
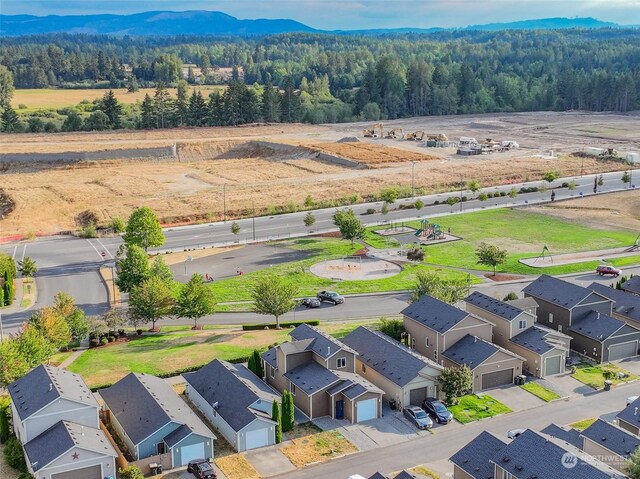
(132, 266)
(273, 295)
(150, 301)
(455, 382)
(143, 229)
(490, 255)
(449, 291)
(196, 300)
(27, 267)
(350, 227)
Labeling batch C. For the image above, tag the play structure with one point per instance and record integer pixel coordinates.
(355, 268)
(635, 247)
(429, 231)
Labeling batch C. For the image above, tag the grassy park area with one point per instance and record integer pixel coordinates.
(592, 375)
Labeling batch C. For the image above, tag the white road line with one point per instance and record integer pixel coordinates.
(24, 251)
(15, 249)
(93, 246)
(105, 248)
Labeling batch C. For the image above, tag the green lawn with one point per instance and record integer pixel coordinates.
(178, 348)
(522, 234)
(472, 408)
(540, 391)
(591, 375)
(59, 358)
(238, 287)
(582, 425)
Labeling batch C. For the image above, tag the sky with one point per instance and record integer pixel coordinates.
(353, 14)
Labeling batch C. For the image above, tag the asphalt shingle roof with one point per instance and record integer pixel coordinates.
(61, 438)
(557, 291)
(632, 284)
(434, 314)
(311, 377)
(494, 306)
(387, 356)
(532, 455)
(270, 357)
(177, 435)
(143, 404)
(613, 438)
(474, 458)
(533, 339)
(631, 413)
(571, 436)
(626, 304)
(43, 385)
(596, 326)
(471, 351)
(523, 303)
(377, 475)
(233, 390)
(324, 345)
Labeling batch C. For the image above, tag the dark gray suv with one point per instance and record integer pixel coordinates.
(438, 410)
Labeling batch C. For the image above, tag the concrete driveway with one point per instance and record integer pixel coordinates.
(632, 365)
(516, 398)
(269, 461)
(565, 385)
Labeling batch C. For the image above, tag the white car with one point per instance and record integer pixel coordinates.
(515, 433)
(631, 399)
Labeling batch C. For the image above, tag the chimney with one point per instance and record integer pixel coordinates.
(328, 350)
(475, 339)
(635, 412)
(598, 315)
(50, 387)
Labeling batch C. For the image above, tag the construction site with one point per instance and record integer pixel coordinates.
(46, 181)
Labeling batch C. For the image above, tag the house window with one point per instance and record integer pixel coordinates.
(293, 389)
(550, 318)
(523, 323)
(161, 448)
(272, 371)
(413, 343)
(560, 327)
(341, 363)
(426, 342)
(364, 368)
(435, 355)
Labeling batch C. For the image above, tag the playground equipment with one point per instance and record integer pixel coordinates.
(429, 231)
(635, 247)
(545, 254)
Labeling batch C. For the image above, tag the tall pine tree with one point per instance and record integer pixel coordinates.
(147, 113)
(112, 108)
(291, 106)
(197, 110)
(271, 110)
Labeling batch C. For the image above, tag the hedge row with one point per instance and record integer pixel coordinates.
(255, 327)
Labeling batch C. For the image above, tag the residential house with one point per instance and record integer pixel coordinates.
(405, 376)
(55, 417)
(585, 315)
(609, 443)
(526, 304)
(629, 418)
(236, 402)
(151, 419)
(626, 306)
(491, 365)
(530, 455)
(570, 436)
(320, 372)
(544, 350)
(632, 285)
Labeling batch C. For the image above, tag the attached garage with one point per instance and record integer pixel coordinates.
(416, 396)
(366, 410)
(623, 350)
(552, 365)
(92, 472)
(258, 438)
(189, 453)
(497, 378)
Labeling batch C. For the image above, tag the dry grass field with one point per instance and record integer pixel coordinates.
(41, 98)
(372, 155)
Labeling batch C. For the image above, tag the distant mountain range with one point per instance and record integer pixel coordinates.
(198, 22)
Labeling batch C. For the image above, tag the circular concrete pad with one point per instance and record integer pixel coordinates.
(355, 269)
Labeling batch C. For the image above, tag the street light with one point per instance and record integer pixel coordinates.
(189, 259)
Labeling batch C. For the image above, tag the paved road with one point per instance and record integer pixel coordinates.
(71, 264)
(446, 442)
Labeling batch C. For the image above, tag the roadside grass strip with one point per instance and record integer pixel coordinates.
(236, 466)
(592, 375)
(317, 448)
(475, 407)
(583, 424)
(540, 391)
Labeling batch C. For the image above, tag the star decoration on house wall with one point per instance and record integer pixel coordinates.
(75, 456)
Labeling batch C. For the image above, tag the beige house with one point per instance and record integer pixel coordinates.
(544, 350)
(405, 376)
(609, 443)
(320, 372)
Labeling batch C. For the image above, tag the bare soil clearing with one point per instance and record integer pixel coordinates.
(48, 196)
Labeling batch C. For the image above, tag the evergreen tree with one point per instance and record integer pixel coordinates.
(10, 121)
(161, 103)
(112, 108)
(291, 106)
(73, 122)
(132, 84)
(288, 411)
(215, 109)
(181, 107)
(147, 113)
(257, 361)
(277, 418)
(98, 120)
(250, 106)
(197, 110)
(8, 288)
(271, 111)
(205, 64)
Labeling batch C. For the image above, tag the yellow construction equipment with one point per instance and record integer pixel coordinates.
(376, 131)
(437, 137)
(395, 134)
(416, 136)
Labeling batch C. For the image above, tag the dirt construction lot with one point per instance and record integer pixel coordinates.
(49, 196)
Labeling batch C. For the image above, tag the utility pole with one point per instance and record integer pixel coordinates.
(461, 190)
(224, 202)
(413, 164)
(253, 220)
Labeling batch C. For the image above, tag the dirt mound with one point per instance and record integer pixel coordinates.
(7, 204)
(371, 155)
(348, 139)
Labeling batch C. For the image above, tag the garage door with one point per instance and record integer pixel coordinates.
(367, 409)
(552, 365)
(93, 472)
(416, 396)
(189, 453)
(497, 378)
(257, 438)
(623, 350)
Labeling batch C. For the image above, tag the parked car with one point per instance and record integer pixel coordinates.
(603, 269)
(631, 399)
(201, 469)
(438, 410)
(330, 296)
(515, 433)
(310, 302)
(418, 417)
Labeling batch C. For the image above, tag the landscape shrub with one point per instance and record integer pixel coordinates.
(416, 254)
(419, 204)
(86, 218)
(503, 193)
(89, 231)
(392, 328)
(256, 327)
(489, 195)
(436, 202)
(104, 341)
(5, 411)
(14, 456)
(370, 211)
(529, 189)
(131, 472)
(111, 339)
(93, 343)
(483, 196)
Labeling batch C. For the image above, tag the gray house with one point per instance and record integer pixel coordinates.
(151, 419)
(473, 461)
(629, 418)
(632, 285)
(585, 315)
(612, 444)
(55, 417)
(626, 306)
(404, 375)
(236, 402)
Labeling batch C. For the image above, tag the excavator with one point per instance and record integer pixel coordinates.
(395, 134)
(376, 131)
(416, 136)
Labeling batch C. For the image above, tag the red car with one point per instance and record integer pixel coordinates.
(603, 270)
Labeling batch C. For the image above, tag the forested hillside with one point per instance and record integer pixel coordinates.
(345, 77)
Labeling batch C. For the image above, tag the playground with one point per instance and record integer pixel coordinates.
(354, 268)
(399, 234)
